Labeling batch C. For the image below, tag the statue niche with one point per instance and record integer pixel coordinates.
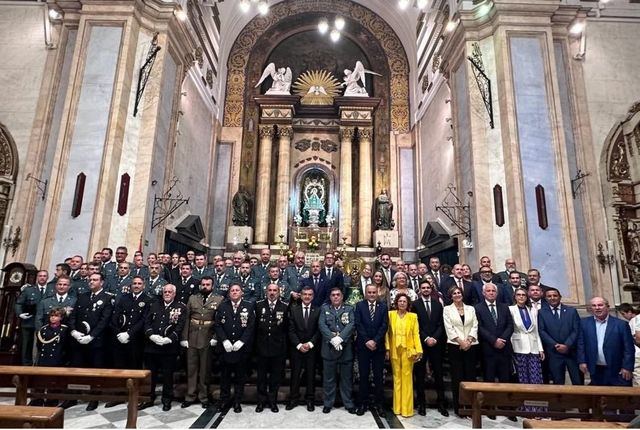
(314, 200)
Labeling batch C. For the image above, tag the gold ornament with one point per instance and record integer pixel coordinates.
(316, 87)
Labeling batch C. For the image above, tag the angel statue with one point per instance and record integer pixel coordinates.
(281, 79)
(351, 79)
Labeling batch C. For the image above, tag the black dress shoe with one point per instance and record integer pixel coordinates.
(112, 404)
(381, 412)
(326, 410)
(290, 406)
(205, 405)
(361, 410)
(166, 407)
(187, 403)
(237, 408)
(145, 405)
(491, 417)
(36, 402)
(311, 407)
(68, 403)
(352, 410)
(92, 405)
(274, 408)
(422, 410)
(443, 411)
(259, 408)
(512, 419)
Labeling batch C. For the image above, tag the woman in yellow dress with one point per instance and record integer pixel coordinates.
(404, 348)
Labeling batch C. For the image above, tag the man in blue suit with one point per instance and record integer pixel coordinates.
(372, 320)
(605, 349)
(318, 283)
(333, 276)
(559, 328)
(487, 277)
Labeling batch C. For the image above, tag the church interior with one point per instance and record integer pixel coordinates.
(449, 128)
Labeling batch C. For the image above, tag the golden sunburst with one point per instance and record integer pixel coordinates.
(317, 87)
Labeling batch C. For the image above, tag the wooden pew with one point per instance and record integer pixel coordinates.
(31, 417)
(571, 424)
(70, 383)
(590, 402)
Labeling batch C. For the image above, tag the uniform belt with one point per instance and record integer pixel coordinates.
(201, 322)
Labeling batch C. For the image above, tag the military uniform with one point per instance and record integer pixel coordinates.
(165, 321)
(295, 275)
(234, 325)
(109, 270)
(221, 283)
(67, 303)
(251, 288)
(198, 331)
(79, 286)
(271, 348)
(186, 288)
(339, 322)
(128, 317)
(27, 303)
(140, 271)
(153, 287)
(52, 345)
(91, 316)
(120, 285)
(261, 270)
(285, 289)
(199, 273)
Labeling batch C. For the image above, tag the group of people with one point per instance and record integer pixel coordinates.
(255, 313)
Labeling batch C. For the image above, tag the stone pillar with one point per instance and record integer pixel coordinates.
(262, 186)
(282, 183)
(346, 211)
(365, 196)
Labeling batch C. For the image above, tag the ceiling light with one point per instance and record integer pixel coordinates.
(577, 27)
(422, 3)
(54, 14)
(335, 35)
(323, 26)
(339, 23)
(244, 6)
(263, 8)
(181, 14)
(403, 4)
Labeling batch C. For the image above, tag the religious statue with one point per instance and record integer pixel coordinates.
(314, 200)
(316, 87)
(281, 79)
(241, 207)
(384, 212)
(351, 79)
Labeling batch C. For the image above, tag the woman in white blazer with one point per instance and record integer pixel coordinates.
(527, 347)
(461, 325)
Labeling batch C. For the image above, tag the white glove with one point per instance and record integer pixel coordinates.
(25, 316)
(184, 343)
(76, 334)
(335, 341)
(165, 341)
(213, 341)
(338, 347)
(237, 345)
(123, 337)
(156, 338)
(85, 340)
(227, 345)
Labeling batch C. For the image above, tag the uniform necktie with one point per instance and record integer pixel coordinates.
(271, 306)
(415, 284)
(60, 299)
(42, 291)
(494, 315)
(556, 312)
(435, 275)
(306, 315)
(372, 310)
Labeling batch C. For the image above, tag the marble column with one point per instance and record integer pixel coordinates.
(346, 210)
(282, 183)
(262, 186)
(365, 196)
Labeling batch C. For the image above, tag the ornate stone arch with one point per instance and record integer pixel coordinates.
(620, 178)
(8, 173)
(242, 47)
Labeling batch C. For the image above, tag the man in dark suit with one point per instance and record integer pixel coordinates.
(385, 267)
(559, 328)
(485, 261)
(468, 296)
(495, 327)
(434, 270)
(332, 275)
(431, 324)
(304, 337)
(271, 346)
(88, 321)
(234, 326)
(533, 278)
(186, 284)
(487, 277)
(372, 320)
(318, 283)
(605, 348)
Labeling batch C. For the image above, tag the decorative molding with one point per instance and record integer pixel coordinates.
(357, 115)
(618, 165)
(347, 133)
(266, 131)
(315, 122)
(285, 132)
(276, 112)
(365, 133)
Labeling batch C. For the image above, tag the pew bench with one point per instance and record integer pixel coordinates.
(562, 401)
(70, 383)
(572, 424)
(30, 417)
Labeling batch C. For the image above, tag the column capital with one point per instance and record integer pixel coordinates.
(266, 131)
(285, 131)
(347, 133)
(366, 133)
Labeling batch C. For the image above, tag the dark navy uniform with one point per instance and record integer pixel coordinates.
(27, 306)
(52, 345)
(234, 325)
(166, 321)
(91, 316)
(271, 348)
(128, 317)
(185, 288)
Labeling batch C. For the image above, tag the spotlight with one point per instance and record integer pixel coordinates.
(323, 26)
(577, 28)
(54, 14)
(244, 6)
(403, 4)
(339, 23)
(334, 35)
(263, 8)
(181, 14)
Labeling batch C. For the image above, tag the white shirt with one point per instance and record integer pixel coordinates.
(58, 297)
(634, 324)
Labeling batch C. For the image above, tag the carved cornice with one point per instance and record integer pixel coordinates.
(266, 131)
